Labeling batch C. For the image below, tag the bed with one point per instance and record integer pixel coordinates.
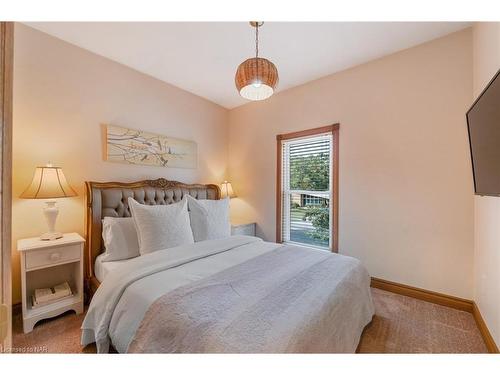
(229, 295)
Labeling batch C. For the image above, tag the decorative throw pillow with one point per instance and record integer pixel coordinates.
(209, 218)
(120, 239)
(162, 226)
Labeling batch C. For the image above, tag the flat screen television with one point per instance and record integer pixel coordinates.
(483, 123)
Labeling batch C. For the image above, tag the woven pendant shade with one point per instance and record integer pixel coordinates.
(256, 78)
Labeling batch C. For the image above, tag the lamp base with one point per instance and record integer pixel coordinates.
(51, 211)
(50, 236)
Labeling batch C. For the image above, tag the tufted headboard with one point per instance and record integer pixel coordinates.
(111, 199)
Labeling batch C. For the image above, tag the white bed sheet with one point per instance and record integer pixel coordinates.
(102, 269)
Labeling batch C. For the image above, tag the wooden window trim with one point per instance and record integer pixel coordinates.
(334, 130)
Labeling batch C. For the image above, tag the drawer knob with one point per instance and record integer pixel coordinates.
(55, 256)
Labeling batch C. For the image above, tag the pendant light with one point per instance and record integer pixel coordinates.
(256, 78)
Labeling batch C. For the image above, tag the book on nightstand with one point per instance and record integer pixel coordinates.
(47, 295)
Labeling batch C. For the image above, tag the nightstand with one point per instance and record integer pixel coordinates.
(48, 263)
(247, 229)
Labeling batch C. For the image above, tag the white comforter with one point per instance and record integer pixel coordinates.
(122, 300)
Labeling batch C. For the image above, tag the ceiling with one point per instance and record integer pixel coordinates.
(202, 57)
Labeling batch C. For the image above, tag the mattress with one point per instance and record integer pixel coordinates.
(102, 269)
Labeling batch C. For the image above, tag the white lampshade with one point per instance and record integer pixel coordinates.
(227, 190)
(48, 182)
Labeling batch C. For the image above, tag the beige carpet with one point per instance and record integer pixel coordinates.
(407, 325)
(400, 325)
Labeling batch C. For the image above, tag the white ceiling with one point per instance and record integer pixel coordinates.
(202, 57)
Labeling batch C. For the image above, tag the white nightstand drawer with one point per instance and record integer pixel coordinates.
(55, 255)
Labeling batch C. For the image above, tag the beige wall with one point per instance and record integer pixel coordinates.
(406, 203)
(486, 61)
(61, 95)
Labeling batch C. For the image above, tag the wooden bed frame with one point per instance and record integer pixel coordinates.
(110, 199)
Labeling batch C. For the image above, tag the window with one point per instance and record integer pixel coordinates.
(307, 191)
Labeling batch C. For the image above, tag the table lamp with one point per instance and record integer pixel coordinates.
(49, 183)
(227, 190)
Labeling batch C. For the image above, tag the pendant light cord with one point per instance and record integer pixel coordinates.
(257, 50)
(257, 41)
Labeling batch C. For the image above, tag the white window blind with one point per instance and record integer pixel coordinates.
(306, 190)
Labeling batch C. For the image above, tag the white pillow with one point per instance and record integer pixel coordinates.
(120, 239)
(209, 218)
(162, 226)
